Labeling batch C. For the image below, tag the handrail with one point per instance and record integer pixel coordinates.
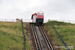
(61, 38)
(23, 35)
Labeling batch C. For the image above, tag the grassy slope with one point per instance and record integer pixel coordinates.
(11, 36)
(66, 30)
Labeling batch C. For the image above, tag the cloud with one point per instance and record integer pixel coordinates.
(17, 8)
(53, 9)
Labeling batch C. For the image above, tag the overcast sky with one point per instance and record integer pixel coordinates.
(53, 9)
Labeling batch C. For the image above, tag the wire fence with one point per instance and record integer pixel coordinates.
(7, 20)
(29, 20)
(67, 21)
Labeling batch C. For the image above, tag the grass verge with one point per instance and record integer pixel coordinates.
(65, 30)
(11, 37)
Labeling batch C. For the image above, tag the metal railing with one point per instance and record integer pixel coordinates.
(23, 35)
(29, 20)
(7, 20)
(60, 38)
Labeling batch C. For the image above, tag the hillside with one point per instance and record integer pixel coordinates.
(11, 37)
(66, 30)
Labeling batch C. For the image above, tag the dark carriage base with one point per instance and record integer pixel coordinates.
(39, 21)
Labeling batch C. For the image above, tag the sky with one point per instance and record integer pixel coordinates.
(53, 9)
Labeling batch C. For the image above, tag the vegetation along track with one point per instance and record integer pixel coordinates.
(39, 38)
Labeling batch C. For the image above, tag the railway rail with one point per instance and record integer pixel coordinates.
(35, 39)
(48, 44)
(39, 38)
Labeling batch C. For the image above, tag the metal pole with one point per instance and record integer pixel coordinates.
(23, 34)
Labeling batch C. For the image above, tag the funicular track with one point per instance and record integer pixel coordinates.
(39, 38)
(35, 39)
(46, 39)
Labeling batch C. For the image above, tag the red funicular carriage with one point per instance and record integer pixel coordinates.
(38, 18)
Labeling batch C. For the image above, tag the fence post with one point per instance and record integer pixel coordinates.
(23, 35)
(13, 20)
(5, 20)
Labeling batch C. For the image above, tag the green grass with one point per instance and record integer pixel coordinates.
(66, 30)
(11, 37)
